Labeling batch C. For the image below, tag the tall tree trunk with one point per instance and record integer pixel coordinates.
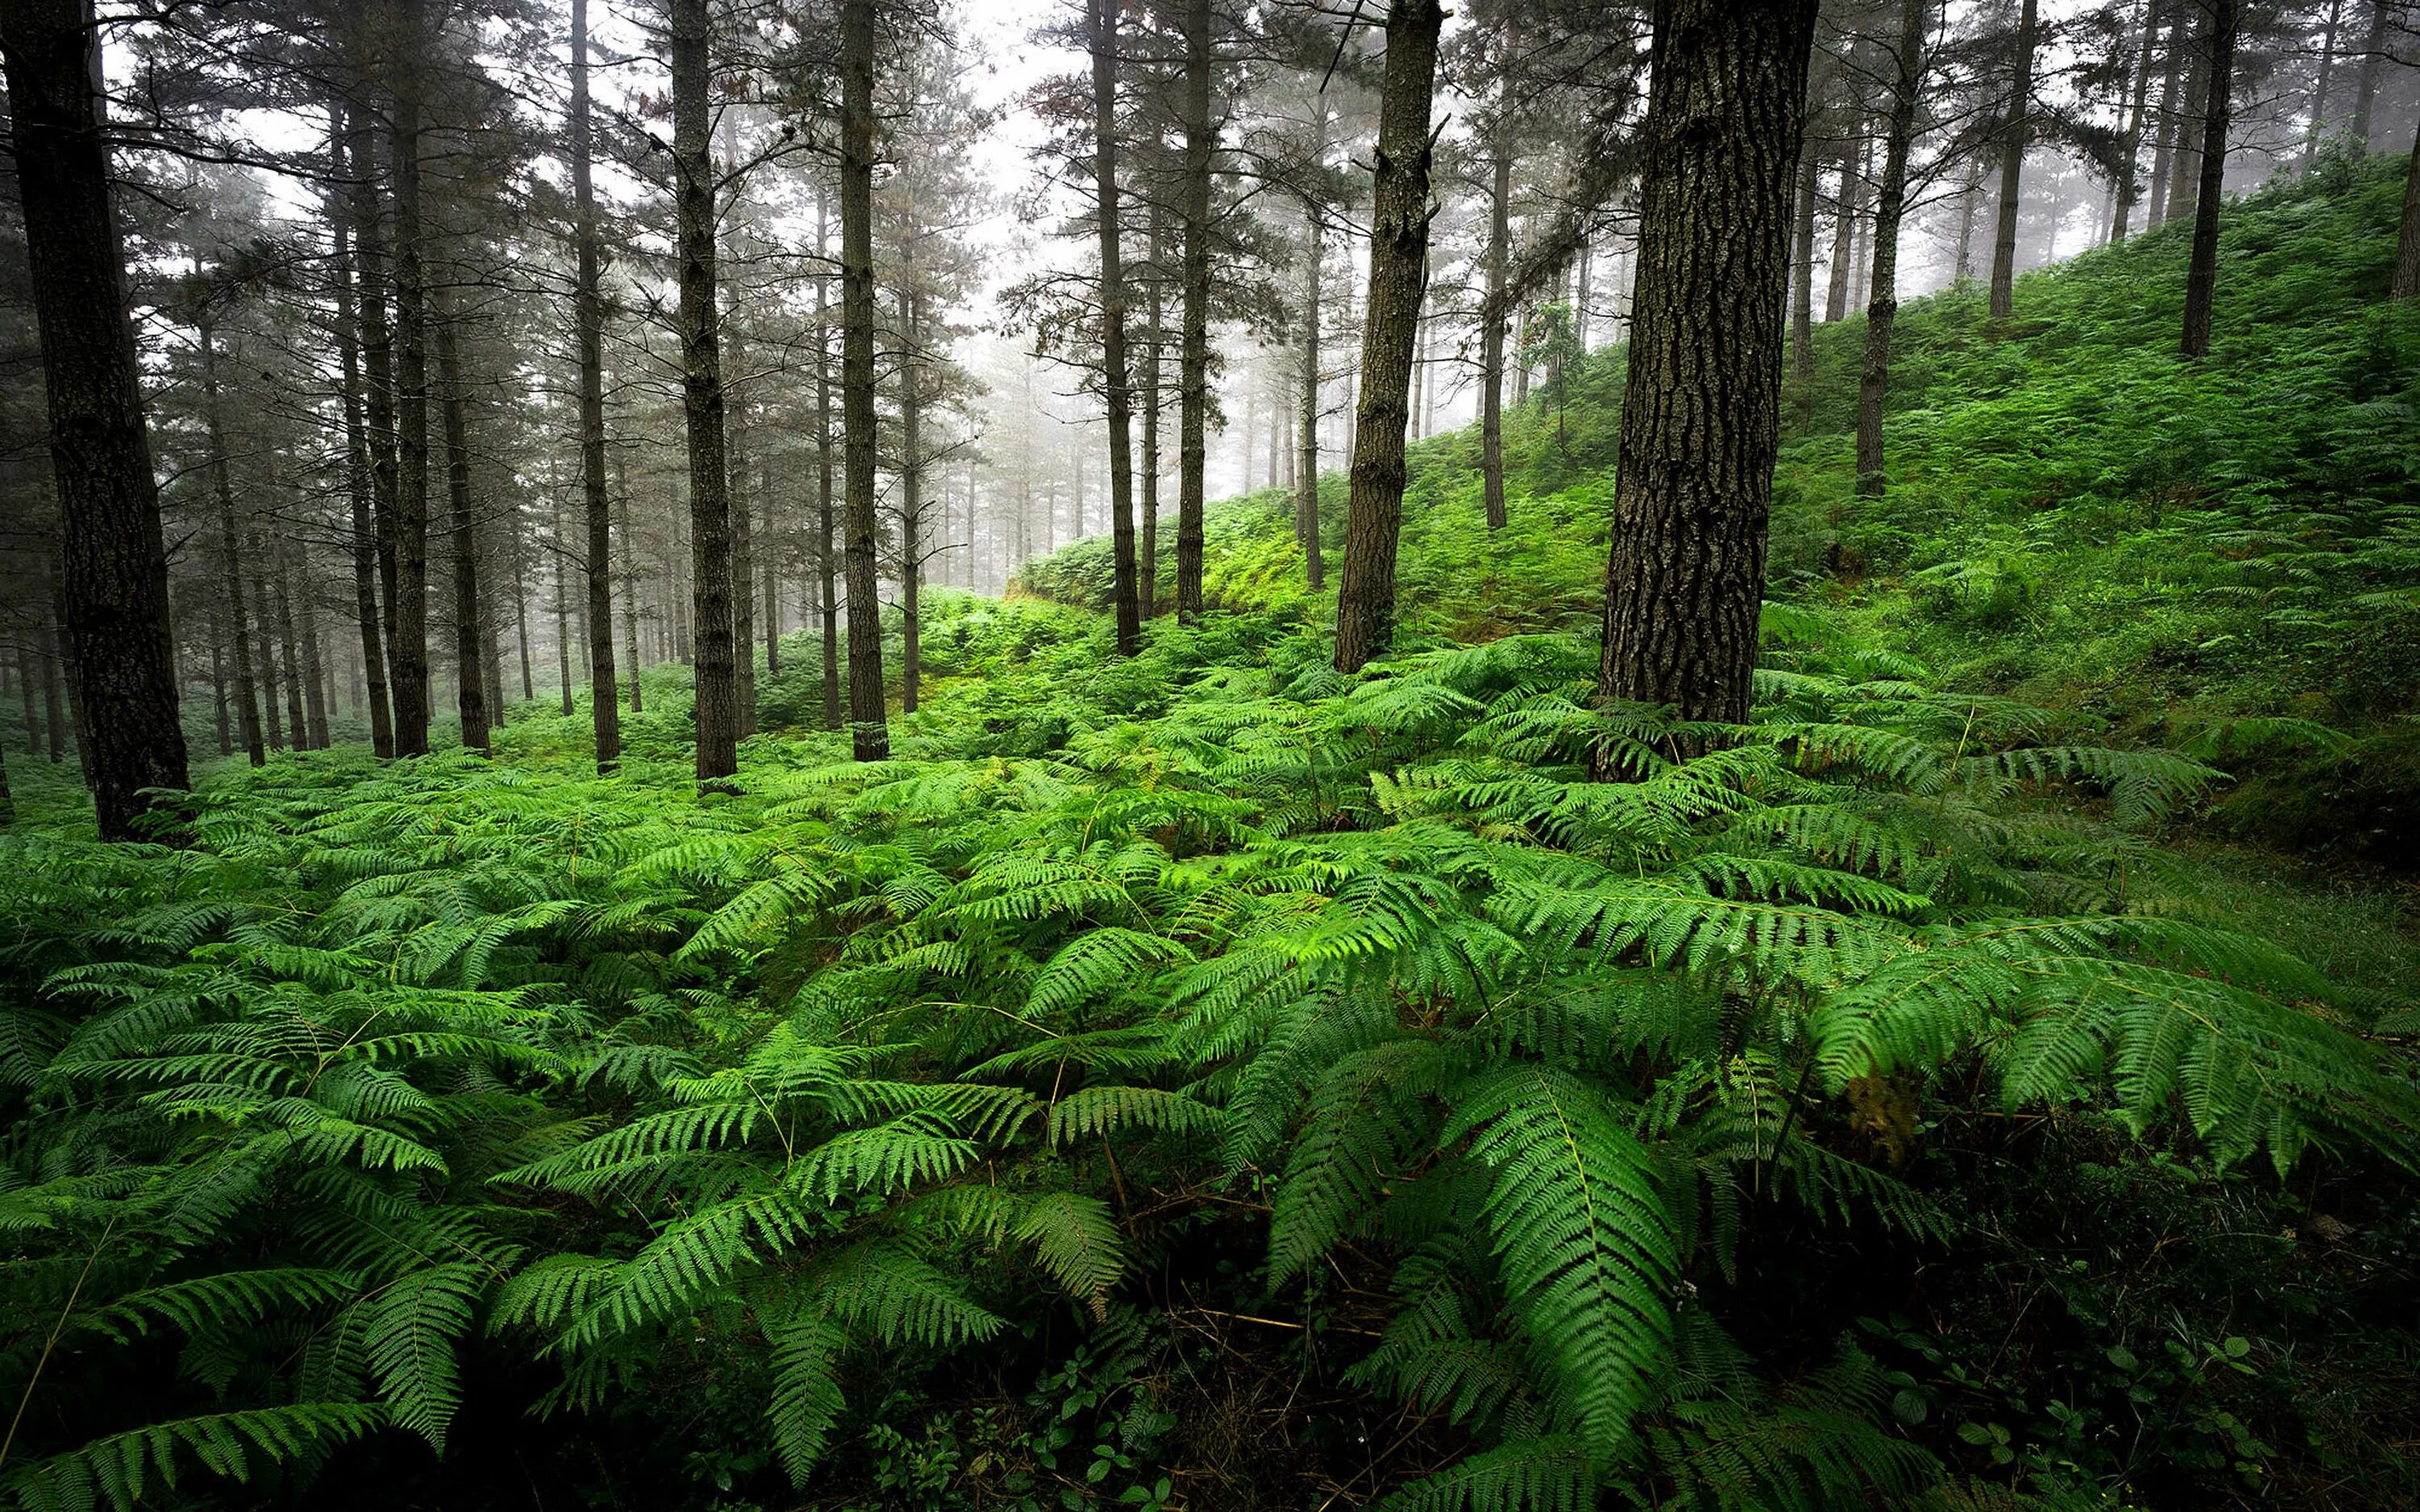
(2373, 68)
(1306, 481)
(1693, 485)
(1147, 552)
(826, 575)
(470, 677)
(1399, 249)
(1844, 236)
(289, 648)
(911, 502)
(2155, 203)
(2319, 82)
(701, 401)
(114, 590)
(377, 363)
(1491, 336)
(1802, 293)
(409, 644)
(1119, 399)
(348, 143)
(870, 732)
(2407, 245)
(2130, 149)
(629, 579)
(1882, 310)
(1193, 352)
(2015, 132)
(2185, 173)
(588, 314)
(218, 690)
(2201, 275)
(231, 542)
(519, 558)
(306, 629)
(270, 714)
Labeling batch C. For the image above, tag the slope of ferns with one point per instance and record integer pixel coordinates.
(884, 1063)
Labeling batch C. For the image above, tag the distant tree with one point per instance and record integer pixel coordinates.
(588, 315)
(868, 721)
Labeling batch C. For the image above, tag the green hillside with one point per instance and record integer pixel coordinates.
(1199, 1081)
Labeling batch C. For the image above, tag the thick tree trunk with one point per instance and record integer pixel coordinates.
(2015, 132)
(2130, 149)
(114, 590)
(348, 144)
(1686, 578)
(1398, 248)
(2201, 275)
(1102, 16)
(701, 401)
(826, 563)
(1882, 310)
(1305, 483)
(870, 732)
(1490, 339)
(409, 644)
(1193, 353)
(588, 314)
(469, 677)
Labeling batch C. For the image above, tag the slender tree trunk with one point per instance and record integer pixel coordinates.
(348, 143)
(114, 590)
(718, 684)
(2186, 171)
(1305, 483)
(217, 691)
(828, 587)
(2373, 68)
(911, 505)
(2016, 132)
(588, 314)
(28, 693)
(2319, 82)
(630, 579)
(230, 544)
(1193, 355)
(2156, 205)
(273, 716)
(409, 644)
(289, 648)
(314, 667)
(513, 538)
(870, 737)
(2201, 276)
(470, 679)
(1844, 232)
(1881, 311)
(1147, 552)
(1399, 247)
(1102, 18)
(1686, 578)
(562, 619)
(1802, 293)
(2407, 245)
(46, 652)
(2130, 162)
(1964, 267)
(1491, 338)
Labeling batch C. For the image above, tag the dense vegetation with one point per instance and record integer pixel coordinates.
(1201, 1080)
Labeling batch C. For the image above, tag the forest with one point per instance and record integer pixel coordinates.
(1181, 755)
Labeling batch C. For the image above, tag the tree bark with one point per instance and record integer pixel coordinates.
(410, 641)
(1147, 550)
(114, 589)
(1193, 354)
(701, 401)
(347, 144)
(588, 314)
(870, 732)
(1399, 247)
(1802, 293)
(230, 541)
(828, 596)
(470, 678)
(2373, 67)
(911, 498)
(1102, 18)
(1882, 310)
(2201, 275)
(2406, 244)
(1305, 483)
(2015, 130)
(1491, 336)
(2129, 166)
(290, 660)
(2156, 205)
(629, 580)
(1685, 580)
(2185, 173)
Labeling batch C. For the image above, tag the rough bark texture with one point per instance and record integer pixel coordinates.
(588, 312)
(114, 586)
(1490, 339)
(869, 731)
(1102, 16)
(1193, 352)
(2015, 132)
(346, 144)
(407, 648)
(1398, 248)
(1882, 308)
(1686, 578)
(718, 688)
(2201, 274)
